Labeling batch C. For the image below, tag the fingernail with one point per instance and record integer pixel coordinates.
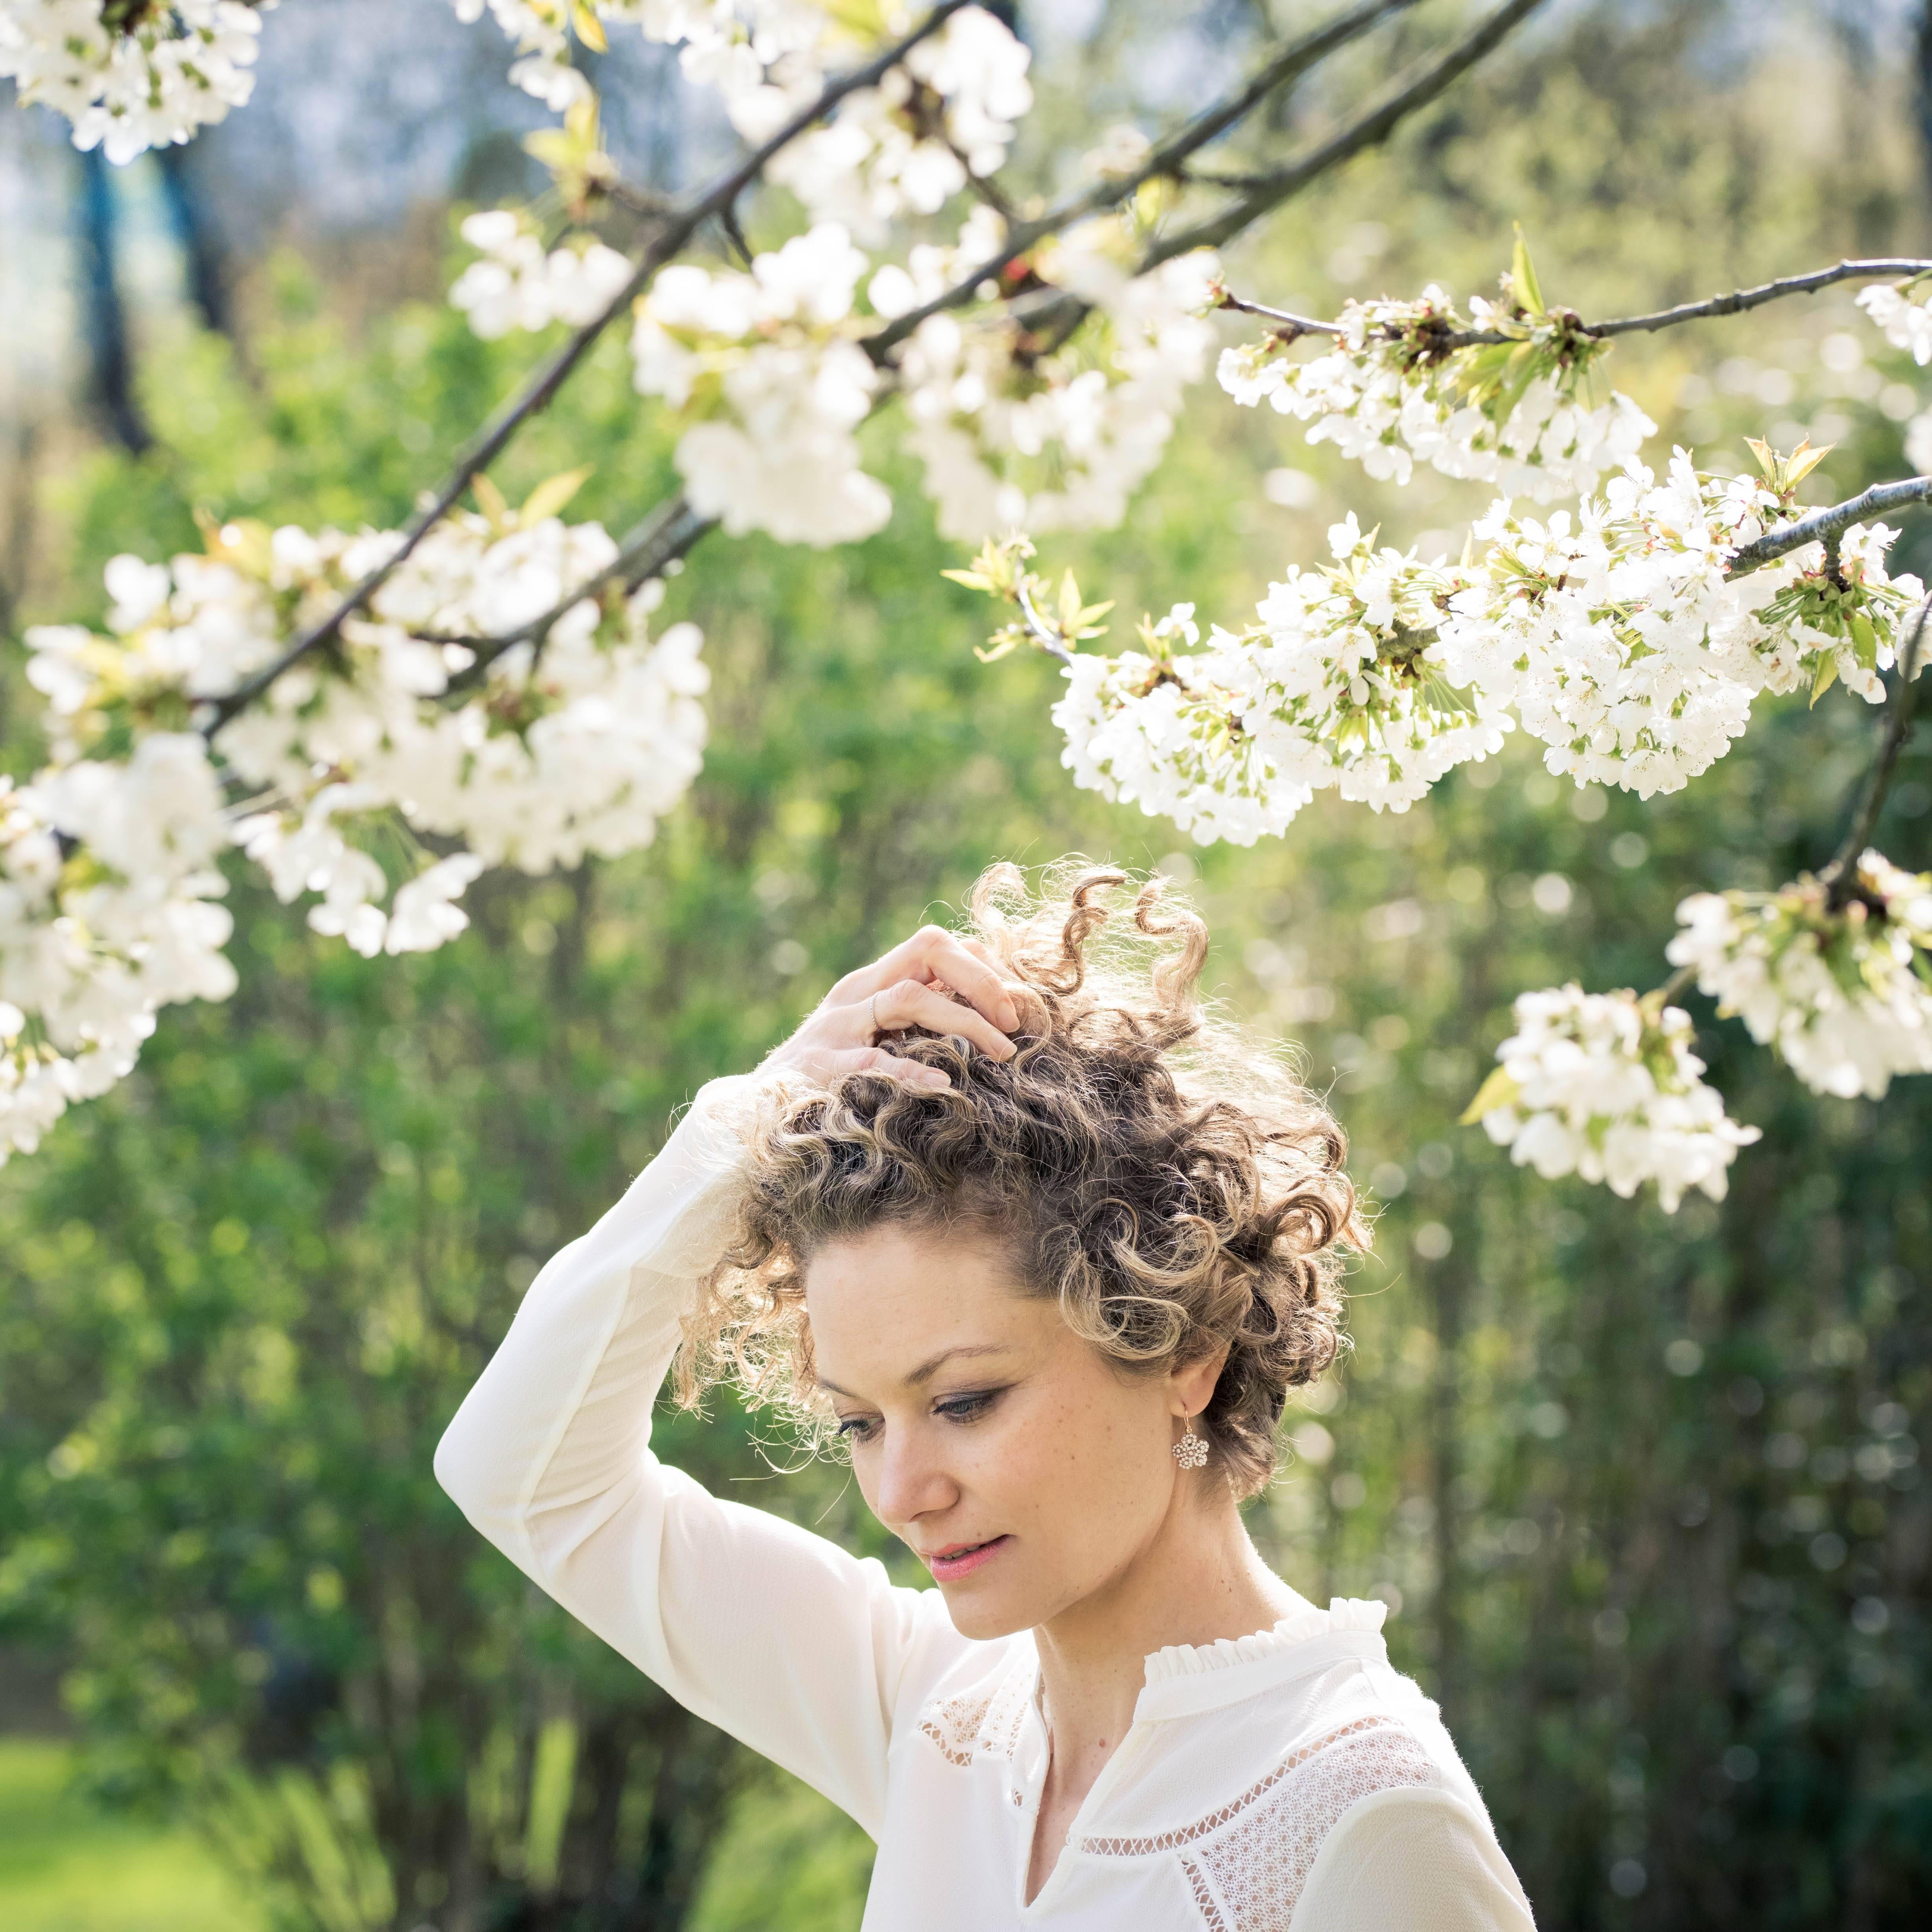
(1009, 1015)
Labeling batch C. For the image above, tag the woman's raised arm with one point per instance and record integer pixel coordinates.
(800, 1650)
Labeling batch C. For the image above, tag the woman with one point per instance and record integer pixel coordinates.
(1046, 1247)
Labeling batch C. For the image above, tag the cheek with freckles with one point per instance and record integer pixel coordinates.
(1072, 1466)
(1026, 1469)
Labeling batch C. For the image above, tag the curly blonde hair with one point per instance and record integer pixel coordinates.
(1169, 1183)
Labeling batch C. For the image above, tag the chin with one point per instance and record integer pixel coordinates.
(983, 1615)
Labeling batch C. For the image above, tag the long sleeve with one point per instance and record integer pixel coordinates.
(776, 1636)
(1411, 1860)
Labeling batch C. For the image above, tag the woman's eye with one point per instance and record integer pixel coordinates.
(967, 1407)
(855, 1428)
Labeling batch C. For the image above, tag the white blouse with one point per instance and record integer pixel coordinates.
(1279, 1783)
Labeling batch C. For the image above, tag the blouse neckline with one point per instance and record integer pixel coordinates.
(1188, 1660)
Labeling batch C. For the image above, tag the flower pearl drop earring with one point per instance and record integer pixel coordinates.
(1190, 1452)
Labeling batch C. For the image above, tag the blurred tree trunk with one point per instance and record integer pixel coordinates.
(1921, 97)
(204, 260)
(110, 389)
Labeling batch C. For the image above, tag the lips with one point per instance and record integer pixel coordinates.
(961, 1559)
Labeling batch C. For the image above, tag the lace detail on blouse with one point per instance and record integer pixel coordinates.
(980, 1723)
(1255, 1852)
(1204, 1898)
(953, 1725)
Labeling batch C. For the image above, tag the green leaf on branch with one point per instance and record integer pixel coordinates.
(551, 494)
(1522, 277)
(492, 502)
(1828, 676)
(1784, 473)
(1525, 365)
(1079, 620)
(590, 28)
(1499, 1090)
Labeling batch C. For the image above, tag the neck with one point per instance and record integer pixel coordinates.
(1198, 1580)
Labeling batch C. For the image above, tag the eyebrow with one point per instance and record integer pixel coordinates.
(928, 1370)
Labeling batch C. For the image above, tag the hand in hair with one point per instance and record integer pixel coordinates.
(935, 981)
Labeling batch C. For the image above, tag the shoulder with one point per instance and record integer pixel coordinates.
(1253, 1852)
(1417, 1856)
(1353, 1815)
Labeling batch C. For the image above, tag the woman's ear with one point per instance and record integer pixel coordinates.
(1191, 1385)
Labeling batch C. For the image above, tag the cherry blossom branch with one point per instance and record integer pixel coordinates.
(1736, 303)
(1272, 188)
(1038, 628)
(1293, 325)
(676, 528)
(1165, 160)
(1839, 877)
(1739, 300)
(1827, 524)
(489, 441)
(1678, 981)
(670, 532)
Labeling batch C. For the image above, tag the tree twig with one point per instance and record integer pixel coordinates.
(1043, 633)
(1274, 186)
(1742, 299)
(668, 532)
(1827, 523)
(1302, 324)
(1672, 986)
(1735, 303)
(1840, 878)
(1285, 64)
(489, 441)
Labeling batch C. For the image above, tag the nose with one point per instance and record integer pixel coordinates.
(909, 1478)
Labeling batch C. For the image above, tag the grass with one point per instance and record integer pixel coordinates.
(785, 1855)
(66, 1866)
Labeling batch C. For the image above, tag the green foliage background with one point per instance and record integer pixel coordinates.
(1644, 1489)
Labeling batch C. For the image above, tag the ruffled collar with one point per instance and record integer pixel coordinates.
(1188, 1660)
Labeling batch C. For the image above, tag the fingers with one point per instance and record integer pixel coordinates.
(934, 953)
(876, 1060)
(910, 1004)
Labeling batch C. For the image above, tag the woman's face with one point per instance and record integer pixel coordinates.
(1026, 1469)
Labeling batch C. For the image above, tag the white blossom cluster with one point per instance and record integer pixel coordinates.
(1843, 995)
(1615, 634)
(711, 30)
(108, 859)
(1344, 681)
(763, 365)
(165, 69)
(1904, 322)
(108, 892)
(577, 747)
(947, 112)
(1615, 637)
(516, 284)
(1340, 683)
(766, 364)
(1388, 399)
(1153, 729)
(942, 117)
(1624, 644)
(1605, 1085)
(1010, 437)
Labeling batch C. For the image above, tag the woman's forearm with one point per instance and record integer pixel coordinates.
(559, 1422)
(778, 1636)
